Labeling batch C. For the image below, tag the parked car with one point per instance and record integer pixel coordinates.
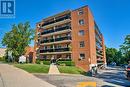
(124, 66)
(128, 72)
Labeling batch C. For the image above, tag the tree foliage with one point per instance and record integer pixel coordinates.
(125, 48)
(18, 39)
(113, 55)
(121, 56)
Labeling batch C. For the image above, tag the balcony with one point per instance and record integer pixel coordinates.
(98, 45)
(97, 29)
(61, 49)
(46, 32)
(63, 38)
(55, 50)
(57, 20)
(100, 53)
(47, 50)
(98, 39)
(100, 60)
(56, 39)
(56, 30)
(47, 23)
(47, 41)
(63, 18)
(62, 28)
(99, 48)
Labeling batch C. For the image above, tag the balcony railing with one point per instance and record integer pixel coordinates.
(99, 53)
(61, 49)
(100, 61)
(62, 28)
(55, 50)
(57, 29)
(63, 38)
(98, 40)
(99, 45)
(48, 31)
(63, 18)
(56, 39)
(47, 41)
(47, 23)
(57, 20)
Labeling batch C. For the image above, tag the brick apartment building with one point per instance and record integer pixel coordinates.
(72, 34)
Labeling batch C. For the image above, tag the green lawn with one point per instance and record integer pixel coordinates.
(33, 68)
(37, 68)
(70, 70)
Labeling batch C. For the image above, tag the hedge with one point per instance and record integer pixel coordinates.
(46, 62)
(38, 61)
(63, 62)
(67, 63)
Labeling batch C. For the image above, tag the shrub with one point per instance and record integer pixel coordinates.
(38, 61)
(46, 62)
(67, 63)
(64, 60)
(2, 58)
(63, 64)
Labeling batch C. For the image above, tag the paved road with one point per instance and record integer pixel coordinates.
(115, 76)
(106, 78)
(73, 80)
(14, 77)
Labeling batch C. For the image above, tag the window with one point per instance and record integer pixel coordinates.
(82, 56)
(81, 32)
(81, 22)
(82, 44)
(80, 12)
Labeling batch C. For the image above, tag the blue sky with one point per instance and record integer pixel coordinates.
(112, 16)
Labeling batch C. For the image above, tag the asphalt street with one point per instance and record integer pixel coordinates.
(112, 77)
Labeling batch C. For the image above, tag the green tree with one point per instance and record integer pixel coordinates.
(110, 54)
(118, 57)
(113, 55)
(125, 49)
(18, 39)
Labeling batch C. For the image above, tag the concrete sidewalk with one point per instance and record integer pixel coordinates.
(53, 69)
(14, 77)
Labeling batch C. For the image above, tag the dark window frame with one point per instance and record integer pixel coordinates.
(81, 22)
(82, 44)
(81, 33)
(82, 56)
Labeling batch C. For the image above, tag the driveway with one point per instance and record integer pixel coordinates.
(14, 77)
